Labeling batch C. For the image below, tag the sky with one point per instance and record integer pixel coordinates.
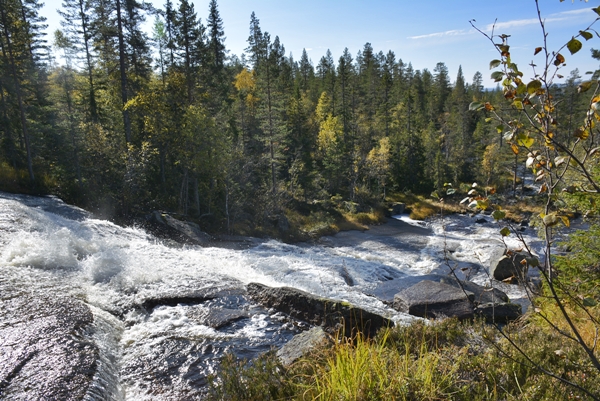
(422, 32)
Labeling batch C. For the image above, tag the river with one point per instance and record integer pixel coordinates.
(163, 315)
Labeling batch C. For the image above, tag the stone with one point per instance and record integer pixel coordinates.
(334, 316)
(499, 312)
(481, 294)
(181, 231)
(504, 265)
(436, 300)
(301, 345)
(386, 290)
(397, 208)
(218, 317)
(46, 348)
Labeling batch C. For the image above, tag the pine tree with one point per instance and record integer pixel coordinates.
(76, 23)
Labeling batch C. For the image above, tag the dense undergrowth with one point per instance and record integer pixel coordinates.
(445, 360)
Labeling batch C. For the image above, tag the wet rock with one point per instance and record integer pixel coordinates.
(332, 315)
(45, 350)
(504, 265)
(186, 232)
(218, 317)
(499, 312)
(386, 290)
(432, 299)
(481, 294)
(301, 345)
(397, 208)
(188, 295)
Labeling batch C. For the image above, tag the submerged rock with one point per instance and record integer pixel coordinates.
(332, 315)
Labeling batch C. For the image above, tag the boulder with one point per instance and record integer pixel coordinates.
(506, 264)
(333, 316)
(481, 294)
(386, 290)
(433, 299)
(499, 312)
(301, 345)
(179, 230)
(397, 208)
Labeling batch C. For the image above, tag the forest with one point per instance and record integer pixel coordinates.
(121, 122)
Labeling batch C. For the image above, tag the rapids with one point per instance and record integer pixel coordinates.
(162, 316)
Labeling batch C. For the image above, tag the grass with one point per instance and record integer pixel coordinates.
(442, 360)
(421, 207)
(329, 222)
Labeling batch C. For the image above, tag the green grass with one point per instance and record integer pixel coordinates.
(443, 360)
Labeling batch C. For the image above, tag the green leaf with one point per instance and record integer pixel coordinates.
(589, 302)
(533, 86)
(597, 10)
(499, 214)
(497, 76)
(474, 106)
(517, 104)
(574, 46)
(494, 64)
(505, 232)
(586, 35)
(483, 204)
(533, 262)
(525, 141)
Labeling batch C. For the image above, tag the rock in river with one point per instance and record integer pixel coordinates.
(330, 314)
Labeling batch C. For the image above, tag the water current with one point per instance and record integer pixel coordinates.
(164, 315)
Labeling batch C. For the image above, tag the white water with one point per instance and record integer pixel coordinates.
(166, 353)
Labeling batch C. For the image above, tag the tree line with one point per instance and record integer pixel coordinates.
(112, 118)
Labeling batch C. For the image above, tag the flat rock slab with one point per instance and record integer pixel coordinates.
(301, 345)
(387, 290)
(44, 348)
(433, 299)
(332, 315)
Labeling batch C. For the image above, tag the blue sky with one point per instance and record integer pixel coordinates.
(422, 32)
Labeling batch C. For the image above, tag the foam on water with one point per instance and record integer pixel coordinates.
(117, 269)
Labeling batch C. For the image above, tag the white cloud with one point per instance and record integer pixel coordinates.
(562, 16)
(454, 32)
(576, 12)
